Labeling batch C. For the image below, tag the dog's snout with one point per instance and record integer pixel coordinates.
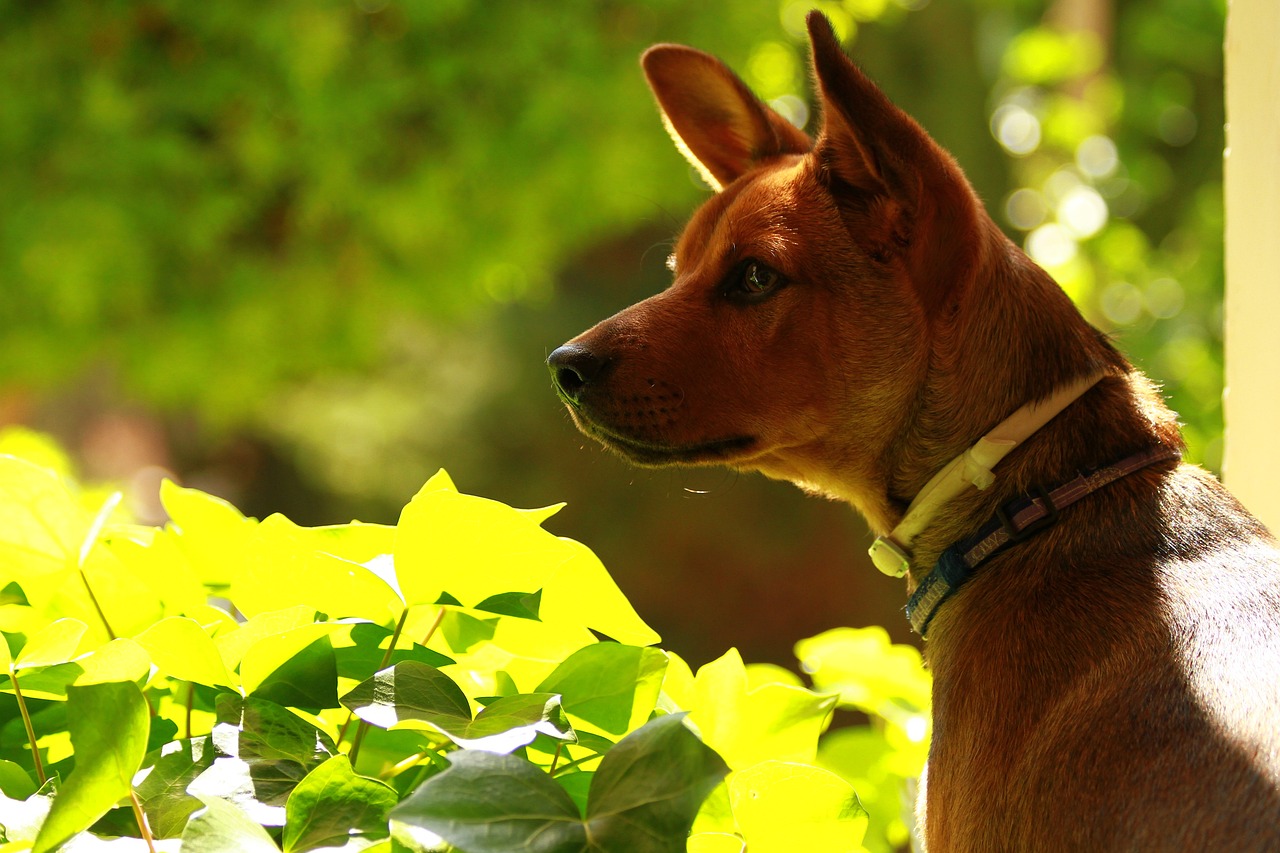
(573, 367)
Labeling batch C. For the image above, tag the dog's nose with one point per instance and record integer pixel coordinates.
(572, 369)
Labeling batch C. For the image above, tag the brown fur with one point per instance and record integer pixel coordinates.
(1111, 684)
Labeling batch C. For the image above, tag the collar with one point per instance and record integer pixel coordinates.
(1012, 523)
(892, 554)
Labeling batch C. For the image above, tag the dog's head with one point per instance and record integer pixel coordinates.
(794, 338)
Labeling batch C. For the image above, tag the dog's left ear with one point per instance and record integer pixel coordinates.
(720, 126)
(877, 159)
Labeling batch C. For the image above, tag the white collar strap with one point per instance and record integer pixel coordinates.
(892, 554)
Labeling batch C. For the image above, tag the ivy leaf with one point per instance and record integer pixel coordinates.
(642, 799)
(181, 649)
(648, 789)
(14, 781)
(162, 790)
(870, 673)
(781, 807)
(295, 667)
(265, 731)
(609, 686)
(492, 803)
(108, 725)
(406, 692)
(220, 827)
(44, 525)
(56, 643)
(748, 724)
(333, 805)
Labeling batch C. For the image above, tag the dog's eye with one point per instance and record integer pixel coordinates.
(753, 281)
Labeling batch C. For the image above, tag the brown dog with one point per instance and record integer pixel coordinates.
(847, 317)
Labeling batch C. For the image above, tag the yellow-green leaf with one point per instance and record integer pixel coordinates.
(182, 649)
(56, 643)
(44, 525)
(783, 807)
(868, 671)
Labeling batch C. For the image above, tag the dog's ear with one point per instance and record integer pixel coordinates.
(876, 157)
(716, 121)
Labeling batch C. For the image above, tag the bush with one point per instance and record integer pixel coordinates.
(464, 680)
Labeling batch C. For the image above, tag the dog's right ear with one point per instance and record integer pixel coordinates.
(719, 125)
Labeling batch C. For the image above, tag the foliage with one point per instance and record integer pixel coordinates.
(367, 687)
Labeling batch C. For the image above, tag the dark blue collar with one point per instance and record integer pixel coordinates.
(1017, 521)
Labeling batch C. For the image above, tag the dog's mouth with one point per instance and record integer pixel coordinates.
(659, 453)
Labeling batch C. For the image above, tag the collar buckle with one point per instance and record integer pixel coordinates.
(889, 557)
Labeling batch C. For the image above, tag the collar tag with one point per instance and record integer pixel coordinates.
(889, 557)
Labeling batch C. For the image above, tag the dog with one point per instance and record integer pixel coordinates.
(1102, 619)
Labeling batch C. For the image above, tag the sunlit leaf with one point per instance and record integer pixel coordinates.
(119, 660)
(747, 725)
(221, 827)
(611, 687)
(579, 590)
(211, 533)
(869, 672)
(44, 525)
(56, 643)
(14, 781)
(162, 788)
(109, 724)
(333, 805)
(782, 807)
(409, 691)
(182, 649)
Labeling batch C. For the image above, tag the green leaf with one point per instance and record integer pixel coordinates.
(648, 788)
(869, 672)
(409, 691)
(221, 827)
(181, 649)
(43, 527)
(750, 724)
(14, 781)
(514, 721)
(642, 799)
(119, 660)
(266, 731)
(333, 805)
(163, 789)
(306, 679)
(781, 807)
(609, 686)
(56, 643)
(491, 803)
(108, 724)
(211, 533)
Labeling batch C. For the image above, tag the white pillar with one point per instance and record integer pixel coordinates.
(1251, 463)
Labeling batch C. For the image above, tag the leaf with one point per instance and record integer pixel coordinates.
(44, 525)
(221, 827)
(119, 660)
(514, 721)
(333, 805)
(747, 725)
(409, 691)
(306, 679)
(162, 787)
(781, 807)
(210, 533)
(609, 686)
(21, 819)
(14, 781)
(648, 788)
(108, 724)
(491, 803)
(181, 649)
(288, 564)
(868, 671)
(56, 643)
(580, 591)
(265, 731)
(642, 799)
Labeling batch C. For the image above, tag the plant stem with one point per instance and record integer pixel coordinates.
(191, 698)
(91, 539)
(434, 625)
(31, 732)
(551, 771)
(354, 752)
(141, 817)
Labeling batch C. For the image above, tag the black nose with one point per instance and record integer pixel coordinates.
(573, 368)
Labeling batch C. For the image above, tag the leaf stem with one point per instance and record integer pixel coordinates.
(191, 698)
(141, 817)
(354, 752)
(91, 539)
(434, 625)
(31, 732)
(551, 771)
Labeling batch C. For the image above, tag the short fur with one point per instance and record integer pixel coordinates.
(1111, 684)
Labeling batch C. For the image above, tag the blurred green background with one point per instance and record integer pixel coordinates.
(302, 254)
